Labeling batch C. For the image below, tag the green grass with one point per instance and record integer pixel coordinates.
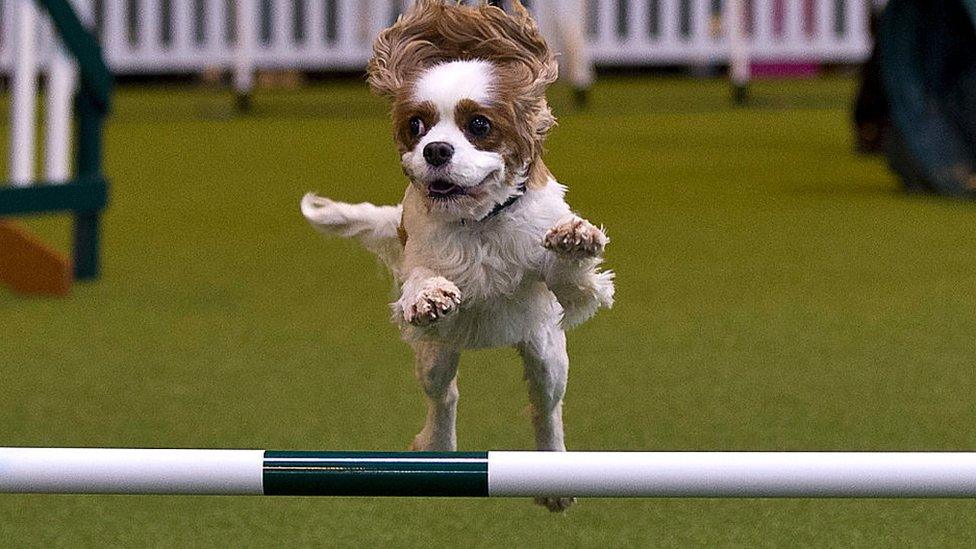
(774, 292)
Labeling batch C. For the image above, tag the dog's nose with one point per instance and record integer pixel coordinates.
(438, 153)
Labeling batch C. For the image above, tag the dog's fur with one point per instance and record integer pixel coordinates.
(484, 248)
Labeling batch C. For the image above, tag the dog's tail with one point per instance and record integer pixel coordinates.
(375, 227)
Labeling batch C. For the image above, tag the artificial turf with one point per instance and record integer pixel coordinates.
(774, 292)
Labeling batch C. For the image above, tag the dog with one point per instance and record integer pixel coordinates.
(484, 248)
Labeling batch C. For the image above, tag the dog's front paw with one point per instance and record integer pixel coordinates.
(556, 505)
(323, 213)
(576, 237)
(437, 298)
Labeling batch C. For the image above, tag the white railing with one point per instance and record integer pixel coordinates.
(180, 36)
(655, 32)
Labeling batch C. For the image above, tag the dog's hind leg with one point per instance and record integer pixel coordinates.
(436, 371)
(546, 371)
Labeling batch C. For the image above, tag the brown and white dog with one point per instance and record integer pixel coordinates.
(484, 248)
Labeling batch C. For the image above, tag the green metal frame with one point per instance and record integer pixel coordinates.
(85, 196)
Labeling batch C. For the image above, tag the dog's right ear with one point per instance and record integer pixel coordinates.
(382, 73)
(401, 50)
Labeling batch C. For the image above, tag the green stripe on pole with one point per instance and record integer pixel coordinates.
(427, 474)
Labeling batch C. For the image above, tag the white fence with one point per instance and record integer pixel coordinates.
(185, 36)
(23, 35)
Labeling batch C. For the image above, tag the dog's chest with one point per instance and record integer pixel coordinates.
(486, 261)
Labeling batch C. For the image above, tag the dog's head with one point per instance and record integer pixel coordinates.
(469, 109)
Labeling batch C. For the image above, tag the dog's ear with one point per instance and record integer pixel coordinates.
(382, 70)
(400, 49)
(523, 30)
(531, 65)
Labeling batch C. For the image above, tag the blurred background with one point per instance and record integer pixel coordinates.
(209, 37)
(780, 287)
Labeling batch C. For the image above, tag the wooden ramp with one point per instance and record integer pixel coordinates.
(29, 266)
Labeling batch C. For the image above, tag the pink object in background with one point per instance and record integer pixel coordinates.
(784, 69)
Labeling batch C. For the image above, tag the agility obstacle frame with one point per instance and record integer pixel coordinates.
(85, 194)
(496, 474)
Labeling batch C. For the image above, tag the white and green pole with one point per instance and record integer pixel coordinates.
(481, 474)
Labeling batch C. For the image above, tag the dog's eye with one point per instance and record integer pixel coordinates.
(416, 126)
(479, 126)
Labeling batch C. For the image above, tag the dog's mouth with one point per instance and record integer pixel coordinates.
(442, 189)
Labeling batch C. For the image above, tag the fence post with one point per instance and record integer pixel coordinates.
(738, 50)
(244, 54)
(23, 106)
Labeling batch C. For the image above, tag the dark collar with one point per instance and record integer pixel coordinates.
(499, 207)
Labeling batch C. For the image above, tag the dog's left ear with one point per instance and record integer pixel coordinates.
(522, 29)
(533, 66)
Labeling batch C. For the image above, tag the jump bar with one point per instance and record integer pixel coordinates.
(496, 474)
